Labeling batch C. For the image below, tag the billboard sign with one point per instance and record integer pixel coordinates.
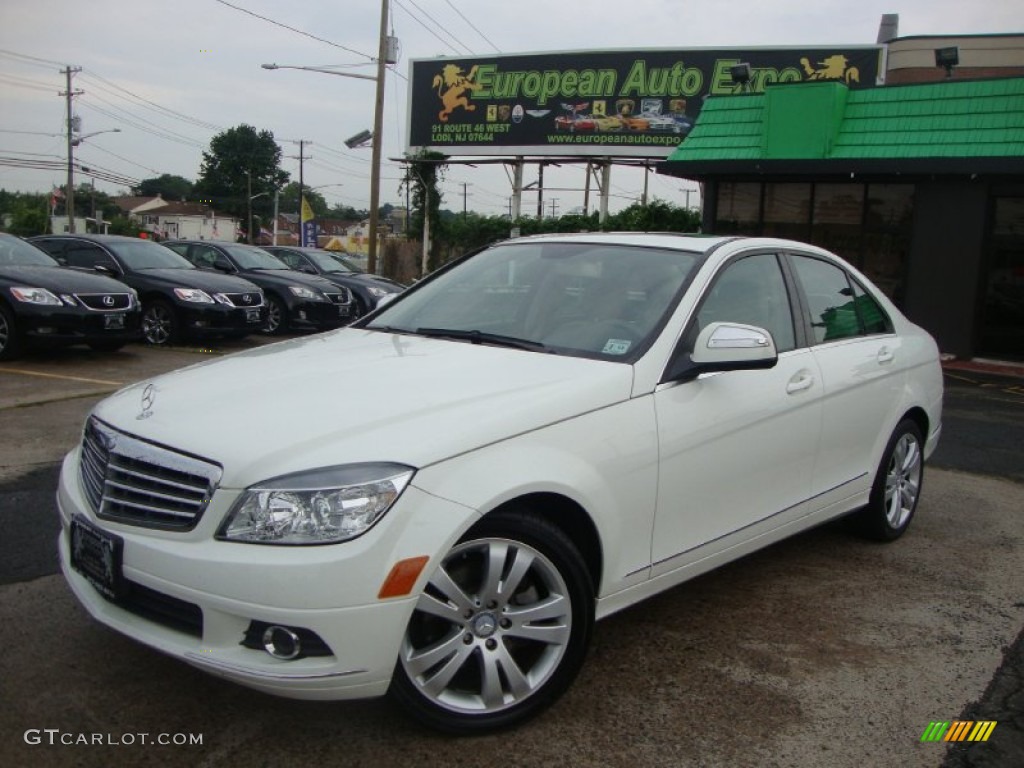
(600, 103)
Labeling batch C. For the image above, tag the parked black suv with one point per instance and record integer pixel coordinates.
(177, 299)
(366, 289)
(295, 301)
(43, 304)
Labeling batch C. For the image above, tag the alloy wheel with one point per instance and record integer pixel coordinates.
(490, 629)
(903, 480)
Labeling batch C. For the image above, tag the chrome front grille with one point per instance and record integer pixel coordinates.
(130, 481)
(105, 302)
(250, 299)
(340, 296)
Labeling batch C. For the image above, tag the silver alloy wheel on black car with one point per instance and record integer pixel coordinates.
(276, 319)
(159, 325)
(897, 487)
(500, 629)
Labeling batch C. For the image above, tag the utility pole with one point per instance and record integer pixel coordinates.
(69, 197)
(554, 206)
(302, 159)
(465, 185)
(378, 139)
(540, 191)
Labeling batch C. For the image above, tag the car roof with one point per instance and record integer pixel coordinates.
(673, 240)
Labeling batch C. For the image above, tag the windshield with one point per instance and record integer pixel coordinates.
(16, 252)
(591, 300)
(346, 262)
(328, 262)
(251, 257)
(142, 254)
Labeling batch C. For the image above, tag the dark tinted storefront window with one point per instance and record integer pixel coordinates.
(739, 208)
(1002, 331)
(869, 225)
(887, 235)
(787, 209)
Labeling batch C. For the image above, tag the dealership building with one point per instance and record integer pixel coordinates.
(905, 157)
(919, 183)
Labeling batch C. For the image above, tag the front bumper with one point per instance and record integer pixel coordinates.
(72, 325)
(329, 590)
(216, 320)
(319, 315)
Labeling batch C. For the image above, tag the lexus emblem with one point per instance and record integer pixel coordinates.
(247, 298)
(148, 398)
(108, 301)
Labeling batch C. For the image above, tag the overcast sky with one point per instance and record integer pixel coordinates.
(196, 63)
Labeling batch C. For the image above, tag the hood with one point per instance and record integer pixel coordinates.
(282, 278)
(60, 279)
(211, 282)
(355, 396)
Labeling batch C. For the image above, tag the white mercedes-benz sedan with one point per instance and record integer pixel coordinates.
(440, 500)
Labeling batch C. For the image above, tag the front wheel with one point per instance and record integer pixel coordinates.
(500, 630)
(897, 487)
(10, 342)
(277, 316)
(159, 323)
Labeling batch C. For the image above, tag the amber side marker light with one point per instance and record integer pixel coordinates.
(402, 577)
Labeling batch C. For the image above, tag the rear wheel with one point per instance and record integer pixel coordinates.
(897, 487)
(10, 344)
(501, 628)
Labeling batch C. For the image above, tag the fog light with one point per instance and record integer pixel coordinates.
(281, 643)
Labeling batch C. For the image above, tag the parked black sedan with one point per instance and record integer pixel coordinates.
(42, 304)
(366, 289)
(177, 299)
(296, 301)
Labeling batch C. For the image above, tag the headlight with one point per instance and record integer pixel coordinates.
(322, 506)
(194, 295)
(35, 296)
(376, 292)
(306, 293)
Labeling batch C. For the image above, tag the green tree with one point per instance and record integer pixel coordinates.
(168, 186)
(425, 172)
(242, 163)
(288, 201)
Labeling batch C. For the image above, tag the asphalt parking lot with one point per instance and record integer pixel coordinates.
(824, 650)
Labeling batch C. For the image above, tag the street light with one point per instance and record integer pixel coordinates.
(378, 120)
(74, 141)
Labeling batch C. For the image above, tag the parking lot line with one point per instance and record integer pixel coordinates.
(60, 376)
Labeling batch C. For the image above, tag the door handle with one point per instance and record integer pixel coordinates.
(799, 383)
(886, 355)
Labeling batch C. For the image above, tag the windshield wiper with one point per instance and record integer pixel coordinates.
(482, 337)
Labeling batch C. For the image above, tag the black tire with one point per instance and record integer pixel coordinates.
(490, 630)
(160, 326)
(897, 487)
(10, 340)
(277, 316)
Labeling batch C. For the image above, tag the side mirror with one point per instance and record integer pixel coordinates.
(106, 269)
(307, 269)
(223, 265)
(729, 347)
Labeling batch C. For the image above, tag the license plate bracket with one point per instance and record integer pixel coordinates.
(97, 555)
(114, 322)
(252, 315)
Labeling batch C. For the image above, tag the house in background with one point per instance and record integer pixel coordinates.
(172, 220)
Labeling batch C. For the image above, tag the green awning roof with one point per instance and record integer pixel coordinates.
(948, 127)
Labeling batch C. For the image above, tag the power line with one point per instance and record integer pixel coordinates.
(293, 29)
(474, 28)
(440, 26)
(412, 16)
(157, 126)
(151, 104)
(30, 59)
